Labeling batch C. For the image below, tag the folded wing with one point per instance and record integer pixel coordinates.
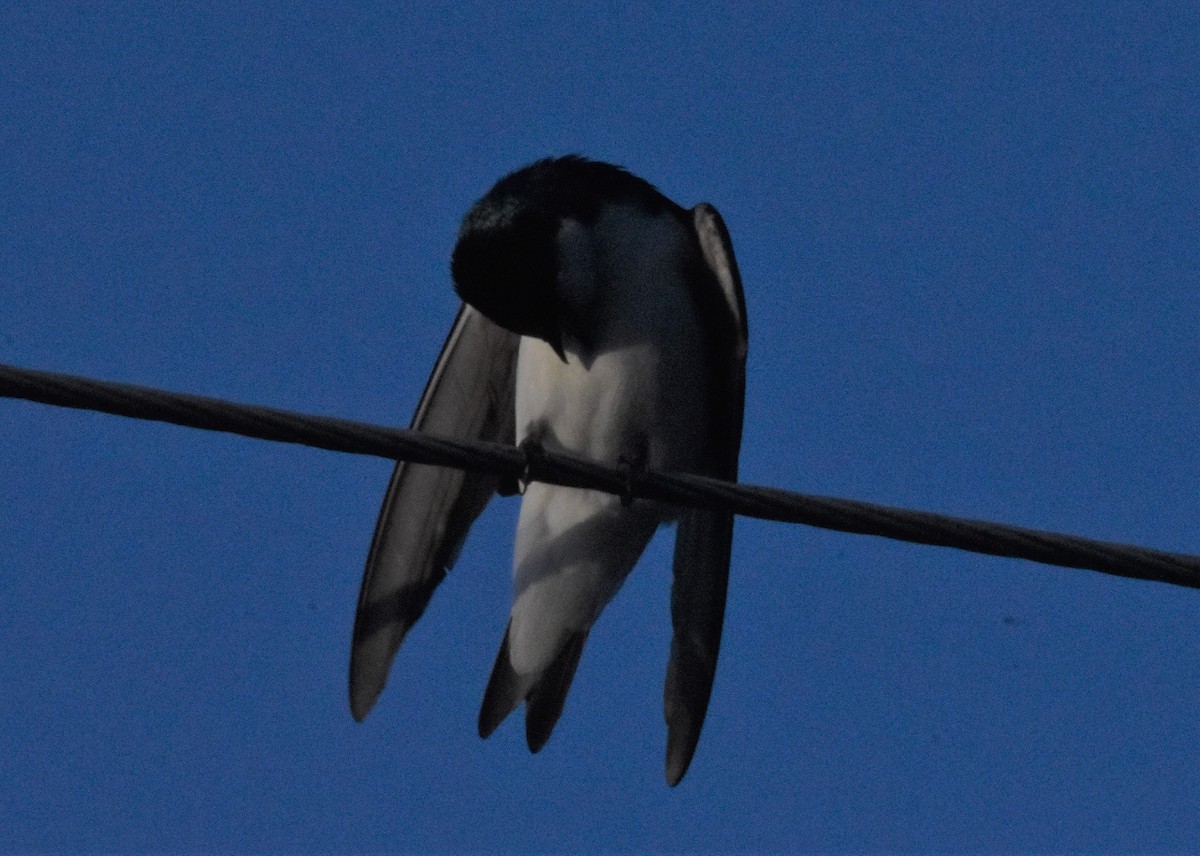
(427, 510)
(704, 538)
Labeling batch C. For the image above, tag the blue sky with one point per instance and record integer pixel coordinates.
(969, 241)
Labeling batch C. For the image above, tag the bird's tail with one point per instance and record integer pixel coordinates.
(543, 693)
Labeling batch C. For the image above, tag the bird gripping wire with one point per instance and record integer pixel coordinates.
(512, 463)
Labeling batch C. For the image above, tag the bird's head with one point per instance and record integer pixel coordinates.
(524, 257)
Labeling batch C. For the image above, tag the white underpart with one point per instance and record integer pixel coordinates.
(638, 388)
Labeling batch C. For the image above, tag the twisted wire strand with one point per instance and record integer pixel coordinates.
(766, 503)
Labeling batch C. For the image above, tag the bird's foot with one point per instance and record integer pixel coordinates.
(533, 450)
(633, 462)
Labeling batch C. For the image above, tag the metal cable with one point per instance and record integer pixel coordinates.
(512, 463)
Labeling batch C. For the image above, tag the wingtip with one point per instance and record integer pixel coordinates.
(681, 746)
(362, 700)
(685, 702)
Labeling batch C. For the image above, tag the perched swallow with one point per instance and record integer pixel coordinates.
(602, 320)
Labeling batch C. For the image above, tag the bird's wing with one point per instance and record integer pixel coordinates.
(428, 510)
(704, 538)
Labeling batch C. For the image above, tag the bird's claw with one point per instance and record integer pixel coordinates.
(531, 447)
(633, 465)
(532, 450)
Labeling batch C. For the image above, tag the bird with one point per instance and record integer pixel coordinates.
(600, 319)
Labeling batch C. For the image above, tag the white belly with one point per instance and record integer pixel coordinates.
(575, 547)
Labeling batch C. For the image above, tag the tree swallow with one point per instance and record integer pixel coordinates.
(602, 320)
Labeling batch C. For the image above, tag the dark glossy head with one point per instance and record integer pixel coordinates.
(506, 262)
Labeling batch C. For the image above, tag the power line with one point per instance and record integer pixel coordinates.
(512, 463)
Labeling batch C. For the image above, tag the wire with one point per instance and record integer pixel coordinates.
(512, 463)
